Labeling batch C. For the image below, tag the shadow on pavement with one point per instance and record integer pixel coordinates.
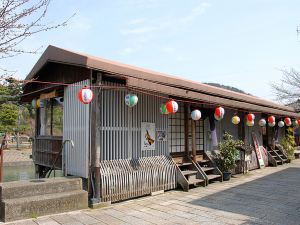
(272, 199)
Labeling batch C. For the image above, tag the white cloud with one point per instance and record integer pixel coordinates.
(167, 50)
(139, 30)
(126, 51)
(136, 21)
(196, 12)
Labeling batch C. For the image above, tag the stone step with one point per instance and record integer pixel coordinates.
(28, 207)
(213, 176)
(20, 189)
(189, 172)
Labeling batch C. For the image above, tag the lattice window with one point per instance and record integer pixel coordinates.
(176, 132)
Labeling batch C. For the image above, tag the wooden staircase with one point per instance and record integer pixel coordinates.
(209, 168)
(191, 174)
(188, 174)
(280, 151)
(276, 156)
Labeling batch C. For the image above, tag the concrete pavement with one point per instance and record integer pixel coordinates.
(266, 196)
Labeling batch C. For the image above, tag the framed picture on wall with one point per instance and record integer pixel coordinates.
(147, 136)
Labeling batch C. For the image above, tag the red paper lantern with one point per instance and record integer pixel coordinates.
(298, 121)
(218, 112)
(85, 95)
(271, 119)
(287, 121)
(250, 117)
(172, 106)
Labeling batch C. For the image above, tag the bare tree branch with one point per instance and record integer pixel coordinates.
(20, 19)
(288, 90)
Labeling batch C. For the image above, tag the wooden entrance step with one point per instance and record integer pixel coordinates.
(209, 168)
(188, 173)
(276, 156)
(281, 153)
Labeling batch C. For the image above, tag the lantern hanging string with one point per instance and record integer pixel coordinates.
(134, 89)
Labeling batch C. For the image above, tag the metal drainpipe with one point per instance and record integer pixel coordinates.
(64, 158)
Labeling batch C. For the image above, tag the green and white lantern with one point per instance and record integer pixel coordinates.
(163, 109)
(131, 100)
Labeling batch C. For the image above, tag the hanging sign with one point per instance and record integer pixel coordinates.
(258, 151)
(147, 136)
(52, 94)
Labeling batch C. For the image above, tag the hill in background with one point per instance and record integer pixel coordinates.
(227, 87)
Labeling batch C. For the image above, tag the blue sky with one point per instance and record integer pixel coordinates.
(244, 44)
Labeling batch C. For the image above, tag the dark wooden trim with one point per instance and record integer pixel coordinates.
(186, 128)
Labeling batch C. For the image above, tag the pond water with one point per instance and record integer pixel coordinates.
(15, 173)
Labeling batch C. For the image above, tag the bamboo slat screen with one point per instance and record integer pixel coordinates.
(129, 178)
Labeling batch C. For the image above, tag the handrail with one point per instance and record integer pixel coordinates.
(57, 156)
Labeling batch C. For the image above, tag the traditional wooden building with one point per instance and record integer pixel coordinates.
(104, 142)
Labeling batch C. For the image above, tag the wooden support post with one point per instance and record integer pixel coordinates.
(186, 129)
(1, 164)
(95, 137)
(193, 123)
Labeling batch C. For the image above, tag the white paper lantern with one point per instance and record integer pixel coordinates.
(262, 122)
(196, 114)
(281, 123)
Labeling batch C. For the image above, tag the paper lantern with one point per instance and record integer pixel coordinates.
(33, 103)
(219, 113)
(196, 114)
(163, 109)
(250, 117)
(40, 103)
(262, 122)
(281, 123)
(271, 119)
(298, 121)
(272, 124)
(85, 95)
(250, 123)
(131, 100)
(287, 121)
(235, 120)
(295, 123)
(172, 106)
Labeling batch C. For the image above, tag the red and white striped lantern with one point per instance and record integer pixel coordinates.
(250, 117)
(172, 106)
(219, 113)
(85, 95)
(287, 121)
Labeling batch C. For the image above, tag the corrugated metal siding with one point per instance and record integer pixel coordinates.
(121, 125)
(76, 128)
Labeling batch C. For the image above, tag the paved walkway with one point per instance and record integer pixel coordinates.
(267, 196)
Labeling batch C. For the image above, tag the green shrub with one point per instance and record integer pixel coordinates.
(288, 143)
(228, 152)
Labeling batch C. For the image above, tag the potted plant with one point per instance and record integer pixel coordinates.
(228, 154)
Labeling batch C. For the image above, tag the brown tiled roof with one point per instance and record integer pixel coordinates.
(159, 82)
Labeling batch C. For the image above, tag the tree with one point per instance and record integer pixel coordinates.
(20, 19)
(288, 90)
(13, 117)
(8, 117)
